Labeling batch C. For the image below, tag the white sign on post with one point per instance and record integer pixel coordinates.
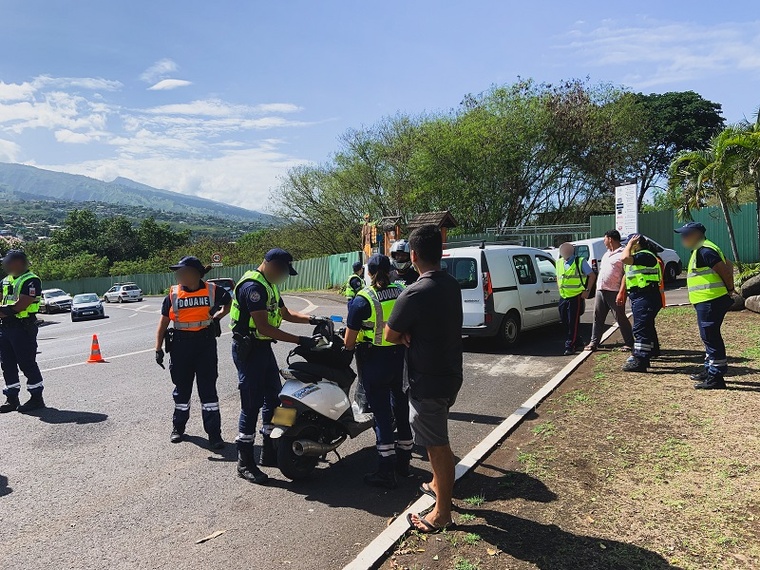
(626, 209)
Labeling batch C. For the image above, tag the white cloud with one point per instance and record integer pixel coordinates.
(90, 83)
(159, 70)
(278, 108)
(67, 136)
(240, 177)
(166, 84)
(16, 91)
(655, 53)
(9, 151)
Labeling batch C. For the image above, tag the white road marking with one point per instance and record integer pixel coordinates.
(309, 305)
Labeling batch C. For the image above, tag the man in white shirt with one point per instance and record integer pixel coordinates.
(610, 293)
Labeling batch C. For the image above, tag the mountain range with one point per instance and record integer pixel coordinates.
(22, 182)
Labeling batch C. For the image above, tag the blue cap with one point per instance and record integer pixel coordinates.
(14, 255)
(281, 257)
(691, 227)
(379, 262)
(357, 266)
(190, 261)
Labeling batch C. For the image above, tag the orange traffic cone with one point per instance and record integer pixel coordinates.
(95, 355)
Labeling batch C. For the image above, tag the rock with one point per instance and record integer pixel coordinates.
(738, 303)
(753, 303)
(751, 287)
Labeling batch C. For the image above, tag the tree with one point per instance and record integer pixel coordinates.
(672, 123)
(741, 150)
(701, 175)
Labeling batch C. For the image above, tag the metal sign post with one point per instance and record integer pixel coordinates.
(626, 209)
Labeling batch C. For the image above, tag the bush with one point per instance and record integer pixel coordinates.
(747, 271)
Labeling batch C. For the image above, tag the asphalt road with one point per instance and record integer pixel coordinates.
(93, 482)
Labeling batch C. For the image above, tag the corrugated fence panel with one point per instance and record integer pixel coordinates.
(312, 274)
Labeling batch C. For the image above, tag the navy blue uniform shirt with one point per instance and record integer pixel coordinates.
(707, 257)
(359, 311)
(253, 296)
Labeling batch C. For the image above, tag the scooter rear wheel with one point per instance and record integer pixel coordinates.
(295, 467)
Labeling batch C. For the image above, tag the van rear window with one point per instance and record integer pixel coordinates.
(464, 270)
(583, 251)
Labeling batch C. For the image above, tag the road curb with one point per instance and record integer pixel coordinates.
(382, 543)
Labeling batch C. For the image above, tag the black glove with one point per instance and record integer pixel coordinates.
(160, 358)
(307, 342)
(318, 320)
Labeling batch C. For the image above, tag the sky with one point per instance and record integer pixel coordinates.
(219, 99)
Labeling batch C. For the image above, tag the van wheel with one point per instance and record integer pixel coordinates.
(671, 272)
(509, 333)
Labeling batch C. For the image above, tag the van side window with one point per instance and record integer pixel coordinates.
(547, 269)
(583, 251)
(526, 273)
(464, 270)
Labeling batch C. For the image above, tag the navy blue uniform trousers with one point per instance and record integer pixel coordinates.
(382, 375)
(18, 350)
(570, 315)
(259, 385)
(710, 315)
(646, 302)
(194, 357)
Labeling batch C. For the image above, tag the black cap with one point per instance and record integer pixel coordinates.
(357, 266)
(281, 257)
(379, 262)
(190, 261)
(691, 227)
(14, 255)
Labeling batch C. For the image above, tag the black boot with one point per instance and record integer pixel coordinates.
(247, 468)
(403, 458)
(634, 364)
(268, 453)
(215, 442)
(34, 403)
(384, 477)
(712, 382)
(177, 435)
(11, 404)
(701, 377)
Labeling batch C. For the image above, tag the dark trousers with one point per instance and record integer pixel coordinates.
(382, 374)
(710, 315)
(604, 302)
(18, 350)
(570, 315)
(645, 304)
(259, 385)
(194, 357)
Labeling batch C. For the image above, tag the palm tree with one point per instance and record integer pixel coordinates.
(702, 175)
(741, 150)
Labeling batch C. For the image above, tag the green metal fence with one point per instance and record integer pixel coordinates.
(660, 225)
(317, 273)
(530, 236)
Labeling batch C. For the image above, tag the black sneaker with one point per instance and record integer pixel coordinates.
(246, 467)
(11, 404)
(701, 376)
(215, 442)
(34, 403)
(634, 364)
(712, 382)
(384, 479)
(176, 436)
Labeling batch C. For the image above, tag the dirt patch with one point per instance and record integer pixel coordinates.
(620, 471)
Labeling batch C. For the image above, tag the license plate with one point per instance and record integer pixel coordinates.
(88, 313)
(284, 416)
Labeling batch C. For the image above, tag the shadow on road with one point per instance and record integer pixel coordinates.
(4, 488)
(475, 418)
(56, 416)
(545, 341)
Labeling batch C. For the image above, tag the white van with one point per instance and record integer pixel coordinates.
(506, 289)
(593, 249)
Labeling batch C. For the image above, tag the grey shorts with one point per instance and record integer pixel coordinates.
(429, 419)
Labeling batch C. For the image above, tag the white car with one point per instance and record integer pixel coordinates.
(506, 289)
(123, 292)
(593, 249)
(54, 301)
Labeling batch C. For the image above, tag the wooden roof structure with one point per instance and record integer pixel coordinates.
(442, 219)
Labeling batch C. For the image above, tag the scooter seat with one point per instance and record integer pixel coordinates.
(343, 377)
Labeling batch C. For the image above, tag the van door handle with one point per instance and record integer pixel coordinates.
(539, 292)
(547, 290)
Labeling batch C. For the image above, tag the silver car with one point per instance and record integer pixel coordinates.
(123, 292)
(55, 301)
(87, 306)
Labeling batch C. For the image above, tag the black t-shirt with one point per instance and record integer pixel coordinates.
(431, 311)
(221, 298)
(707, 257)
(406, 277)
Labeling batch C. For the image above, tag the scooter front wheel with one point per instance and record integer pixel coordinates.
(293, 466)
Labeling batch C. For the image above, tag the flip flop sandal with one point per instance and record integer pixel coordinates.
(426, 490)
(429, 528)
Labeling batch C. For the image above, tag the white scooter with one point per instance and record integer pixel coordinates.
(315, 415)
